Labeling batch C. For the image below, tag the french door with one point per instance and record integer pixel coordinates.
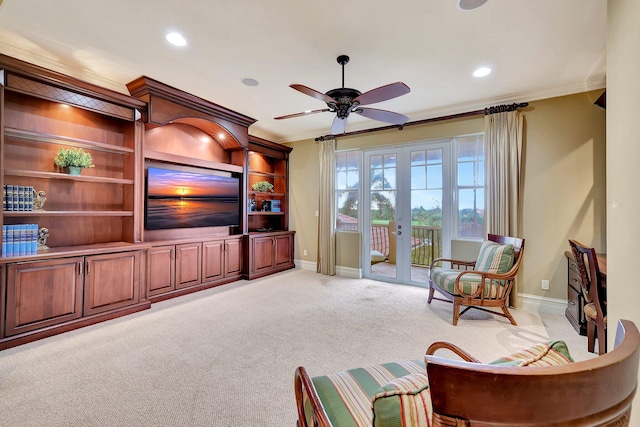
(407, 205)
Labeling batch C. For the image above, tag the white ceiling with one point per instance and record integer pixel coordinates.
(537, 49)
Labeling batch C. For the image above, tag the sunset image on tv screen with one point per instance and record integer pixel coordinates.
(178, 199)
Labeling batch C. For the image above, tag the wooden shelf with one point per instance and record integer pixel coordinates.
(56, 175)
(66, 213)
(74, 142)
(173, 158)
(265, 213)
(263, 194)
(266, 174)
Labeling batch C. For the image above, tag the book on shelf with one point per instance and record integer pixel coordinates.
(17, 198)
(19, 240)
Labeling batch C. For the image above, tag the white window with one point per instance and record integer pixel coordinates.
(347, 189)
(470, 187)
(467, 174)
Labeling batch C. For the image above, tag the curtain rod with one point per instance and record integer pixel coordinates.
(486, 111)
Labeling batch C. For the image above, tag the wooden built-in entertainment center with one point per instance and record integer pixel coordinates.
(100, 262)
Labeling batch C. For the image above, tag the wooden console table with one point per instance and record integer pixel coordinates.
(575, 299)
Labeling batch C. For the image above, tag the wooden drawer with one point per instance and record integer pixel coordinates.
(574, 301)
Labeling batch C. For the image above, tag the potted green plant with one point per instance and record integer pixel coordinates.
(75, 159)
(263, 187)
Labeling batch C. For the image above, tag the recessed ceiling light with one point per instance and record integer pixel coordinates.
(481, 72)
(176, 39)
(470, 4)
(250, 82)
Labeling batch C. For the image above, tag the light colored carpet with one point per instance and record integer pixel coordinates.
(226, 356)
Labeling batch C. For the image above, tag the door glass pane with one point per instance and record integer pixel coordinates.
(382, 214)
(426, 212)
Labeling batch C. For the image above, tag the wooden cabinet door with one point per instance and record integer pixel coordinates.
(111, 281)
(284, 250)
(233, 258)
(162, 270)
(213, 260)
(262, 257)
(41, 294)
(188, 264)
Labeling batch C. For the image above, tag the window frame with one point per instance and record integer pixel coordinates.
(453, 176)
(456, 187)
(358, 191)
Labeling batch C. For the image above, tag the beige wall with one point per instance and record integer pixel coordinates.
(623, 173)
(564, 195)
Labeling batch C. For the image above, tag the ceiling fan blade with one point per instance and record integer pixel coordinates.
(339, 126)
(304, 113)
(382, 93)
(382, 115)
(314, 93)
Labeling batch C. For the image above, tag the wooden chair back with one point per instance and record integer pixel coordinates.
(594, 294)
(597, 391)
(517, 243)
(590, 278)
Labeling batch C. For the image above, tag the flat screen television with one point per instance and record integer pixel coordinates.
(180, 198)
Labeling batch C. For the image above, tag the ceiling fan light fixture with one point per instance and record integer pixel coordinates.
(470, 4)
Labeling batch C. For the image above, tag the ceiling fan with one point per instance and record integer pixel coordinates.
(344, 101)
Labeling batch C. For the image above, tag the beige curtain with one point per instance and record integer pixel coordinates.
(326, 263)
(503, 154)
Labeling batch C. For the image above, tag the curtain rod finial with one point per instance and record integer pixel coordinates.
(504, 108)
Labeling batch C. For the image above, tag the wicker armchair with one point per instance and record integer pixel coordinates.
(481, 284)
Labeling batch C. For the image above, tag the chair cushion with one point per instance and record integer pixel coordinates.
(446, 278)
(347, 395)
(494, 258)
(551, 353)
(377, 257)
(590, 312)
(404, 402)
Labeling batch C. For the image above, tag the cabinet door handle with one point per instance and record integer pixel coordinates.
(80, 269)
(172, 254)
(88, 269)
(572, 302)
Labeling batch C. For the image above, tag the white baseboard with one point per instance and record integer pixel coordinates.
(537, 304)
(305, 265)
(351, 273)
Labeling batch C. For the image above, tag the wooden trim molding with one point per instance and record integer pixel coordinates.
(170, 105)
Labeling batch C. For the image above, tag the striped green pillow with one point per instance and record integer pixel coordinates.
(551, 353)
(346, 396)
(403, 402)
(495, 258)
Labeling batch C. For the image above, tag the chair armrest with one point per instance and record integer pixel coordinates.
(304, 387)
(438, 345)
(454, 262)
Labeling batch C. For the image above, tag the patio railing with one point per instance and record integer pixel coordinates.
(426, 243)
